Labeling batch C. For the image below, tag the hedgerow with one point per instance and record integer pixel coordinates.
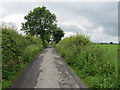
(96, 65)
(17, 52)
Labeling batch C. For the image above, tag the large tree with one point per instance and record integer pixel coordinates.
(39, 22)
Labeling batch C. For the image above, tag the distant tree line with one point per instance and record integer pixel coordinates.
(107, 43)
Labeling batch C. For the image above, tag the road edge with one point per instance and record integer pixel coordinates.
(75, 77)
(26, 68)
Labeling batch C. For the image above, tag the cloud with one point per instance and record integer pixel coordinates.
(81, 24)
(99, 20)
(101, 14)
(68, 34)
(16, 18)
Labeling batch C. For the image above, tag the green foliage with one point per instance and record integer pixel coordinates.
(97, 65)
(17, 51)
(57, 34)
(39, 22)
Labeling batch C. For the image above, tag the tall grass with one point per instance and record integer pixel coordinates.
(96, 65)
(17, 52)
(0, 58)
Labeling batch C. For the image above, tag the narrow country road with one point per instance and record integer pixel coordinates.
(48, 70)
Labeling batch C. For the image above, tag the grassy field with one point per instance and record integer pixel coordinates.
(95, 64)
(111, 52)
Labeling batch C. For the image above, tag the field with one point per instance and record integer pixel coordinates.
(95, 64)
(111, 52)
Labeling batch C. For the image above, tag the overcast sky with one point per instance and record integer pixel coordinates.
(99, 20)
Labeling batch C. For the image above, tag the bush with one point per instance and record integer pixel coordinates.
(93, 63)
(17, 51)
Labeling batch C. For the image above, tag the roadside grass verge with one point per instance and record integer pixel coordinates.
(95, 64)
(17, 52)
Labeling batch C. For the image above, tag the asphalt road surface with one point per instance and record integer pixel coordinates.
(48, 70)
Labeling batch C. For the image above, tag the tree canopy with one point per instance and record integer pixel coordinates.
(40, 22)
(57, 34)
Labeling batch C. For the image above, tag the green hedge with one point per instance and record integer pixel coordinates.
(17, 52)
(95, 64)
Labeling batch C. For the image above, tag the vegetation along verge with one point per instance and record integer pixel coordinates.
(95, 64)
(17, 52)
